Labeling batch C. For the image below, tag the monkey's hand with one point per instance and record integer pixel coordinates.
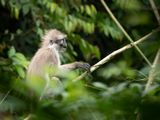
(83, 65)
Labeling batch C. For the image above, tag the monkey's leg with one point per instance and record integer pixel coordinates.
(53, 88)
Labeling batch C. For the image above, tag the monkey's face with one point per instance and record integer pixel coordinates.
(54, 39)
(58, 44)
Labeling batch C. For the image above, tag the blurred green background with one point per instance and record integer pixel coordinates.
(115, 91)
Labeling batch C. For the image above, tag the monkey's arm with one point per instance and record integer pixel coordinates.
(76, 65)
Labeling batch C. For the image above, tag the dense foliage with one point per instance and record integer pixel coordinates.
(115, 91)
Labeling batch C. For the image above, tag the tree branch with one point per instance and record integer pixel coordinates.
(114, 53)
(154, 8)
(124, 32)
(152, 73)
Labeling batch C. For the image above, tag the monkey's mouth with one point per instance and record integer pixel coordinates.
(63, 46)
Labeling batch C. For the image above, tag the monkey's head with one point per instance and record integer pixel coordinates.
(54, 39)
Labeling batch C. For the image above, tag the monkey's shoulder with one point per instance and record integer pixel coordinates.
(47, 55)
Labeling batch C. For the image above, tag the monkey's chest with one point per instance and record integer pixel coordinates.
(55, 59)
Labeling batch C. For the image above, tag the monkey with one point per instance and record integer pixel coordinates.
(48, 57)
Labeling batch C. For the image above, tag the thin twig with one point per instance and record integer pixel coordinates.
(94, 87)
(124, 32)
(29, 117)
(114, 53)
(4, 98)
(155, 10)
(152, 74)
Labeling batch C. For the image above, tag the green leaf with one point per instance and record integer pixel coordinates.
(53, 7)
(20, 60)
(94, 11)
(20, 71)
(82, 9)
(25, 9)
(3, 2)
(20, 56)
(88, 10)
(16, 12)
(39, 31)
(99, 85)
(11, 52)
(109, 28)
(128, 4)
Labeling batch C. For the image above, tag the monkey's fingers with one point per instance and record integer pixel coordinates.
(86, 66)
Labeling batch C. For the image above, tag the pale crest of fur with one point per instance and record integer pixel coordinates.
(52, 34)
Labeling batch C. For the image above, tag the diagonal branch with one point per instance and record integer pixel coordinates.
(155, 10)
(114, 53)
(152, 73)
(124, 32)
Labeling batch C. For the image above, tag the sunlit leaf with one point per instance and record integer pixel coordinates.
(16, 12)
(25, 9)
(11, 52)
(99, 85)
(3, 2)
(20, 71)
(128, 4)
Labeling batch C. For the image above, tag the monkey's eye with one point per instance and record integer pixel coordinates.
(59, 41)
(51, 41)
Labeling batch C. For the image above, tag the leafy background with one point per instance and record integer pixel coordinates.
(115, 91)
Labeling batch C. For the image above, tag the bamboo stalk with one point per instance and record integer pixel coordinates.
(152, 74)
(154, 8)
(124, 32)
